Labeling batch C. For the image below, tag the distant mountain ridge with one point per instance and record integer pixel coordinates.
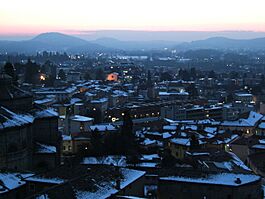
(224, 43)
(59, 39)
(54, 41)
(135, 45)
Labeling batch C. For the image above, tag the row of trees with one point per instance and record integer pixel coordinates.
(123, 142)
(32, 72)
(11, 71)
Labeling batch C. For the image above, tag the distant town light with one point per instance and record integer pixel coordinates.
(42, 78)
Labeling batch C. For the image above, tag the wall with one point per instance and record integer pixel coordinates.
(15, 148)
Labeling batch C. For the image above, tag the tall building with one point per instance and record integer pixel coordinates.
(12, 96)
(150, 87)
(29, 136)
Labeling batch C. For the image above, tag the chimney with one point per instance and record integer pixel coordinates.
(238, 181)
(118, 184)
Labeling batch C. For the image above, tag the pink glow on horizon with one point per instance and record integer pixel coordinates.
(31, 31)
(31, 17)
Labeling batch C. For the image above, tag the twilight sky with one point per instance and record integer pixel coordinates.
(29, 17)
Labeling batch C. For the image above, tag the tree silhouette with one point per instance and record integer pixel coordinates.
(100, 75)
(127, 126)
(96, 142)
(49, 69)
(62, 75)
(184, 74)
(165, 76)
(11, 71)
(128, 138)
(113, 144)
(167, 159)
(212, 74)
(32, 72)
(229, 98)
(191, 89)
(194, 143)
(87, 76)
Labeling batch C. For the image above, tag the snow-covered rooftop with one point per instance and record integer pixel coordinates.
(210, 129)
(120, 93)
(45, 180)
(181, 141)
(148, 142)
(262, 125)
(106, 189)
(244, 94)
(170, 127)
(258, 146)
(162, 93)
(46, 113)
(166, 135)
(75, 100)
(66, 137)
(103, 127)
(229, 179)
(43, 148)
(97, 101)
(44, 101)
(252, 119)
(11, 181)
(10, 119)
(80, 118)
(106, 160)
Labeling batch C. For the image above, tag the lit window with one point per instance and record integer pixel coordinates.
(82, 127)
